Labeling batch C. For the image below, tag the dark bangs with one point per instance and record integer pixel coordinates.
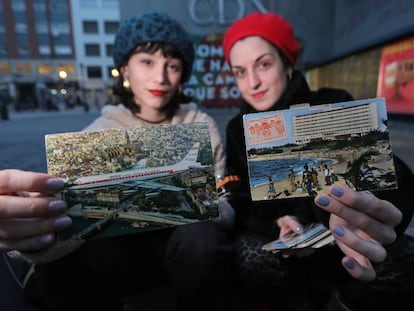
(167, 50)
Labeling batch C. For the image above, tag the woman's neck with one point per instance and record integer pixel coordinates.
(154, 119)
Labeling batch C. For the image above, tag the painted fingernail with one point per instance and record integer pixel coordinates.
(299, 229)
(350, 264)
(324, 201)
(62, 223)
(47, 238)
(57, 206)
(339, 231)
(337, 191)
(55, 184)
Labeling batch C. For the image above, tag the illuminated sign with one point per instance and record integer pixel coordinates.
(396, 76)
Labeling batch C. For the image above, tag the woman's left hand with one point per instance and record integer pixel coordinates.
(289, 224)
(360, 223)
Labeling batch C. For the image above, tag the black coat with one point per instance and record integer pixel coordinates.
(259, 216)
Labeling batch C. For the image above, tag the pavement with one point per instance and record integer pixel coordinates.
(22, 136)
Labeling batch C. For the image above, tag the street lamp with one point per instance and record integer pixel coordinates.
(114, 73)
(62, 74)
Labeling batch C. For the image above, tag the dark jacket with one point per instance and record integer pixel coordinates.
(259, 216)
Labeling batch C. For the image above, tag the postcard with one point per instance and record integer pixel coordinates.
(131, 180)
(300, 151)
(312, 234)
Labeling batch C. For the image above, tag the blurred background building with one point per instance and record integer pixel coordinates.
(53, 50)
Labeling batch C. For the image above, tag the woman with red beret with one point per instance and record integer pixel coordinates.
(262, 51)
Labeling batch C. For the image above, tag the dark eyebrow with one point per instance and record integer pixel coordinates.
(256, 60)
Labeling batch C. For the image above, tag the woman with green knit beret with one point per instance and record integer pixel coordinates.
(154, 56)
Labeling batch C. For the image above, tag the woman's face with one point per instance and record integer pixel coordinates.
(154, 79)
(259, 70)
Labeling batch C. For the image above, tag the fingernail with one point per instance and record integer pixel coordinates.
(55, 184)
(299, 229)
(57, 206)
(47, 238)
(337, 191)
(62, 223)
(339, 231)
(324, 201)
(350, 264)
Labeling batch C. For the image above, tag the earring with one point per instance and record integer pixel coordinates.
(180, 90)
(126, 83)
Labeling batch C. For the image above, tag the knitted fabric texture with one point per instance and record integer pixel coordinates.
(269, 26)
(153, 27)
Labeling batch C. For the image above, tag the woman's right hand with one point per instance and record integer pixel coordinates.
(30, 215)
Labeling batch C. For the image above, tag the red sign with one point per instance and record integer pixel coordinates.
(396, 76)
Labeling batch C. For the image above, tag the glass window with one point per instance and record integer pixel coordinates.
(42, 28)
(59, 12)
(43, 39)
(3, 50)
(92, 50)
(23, 51)
(24, 67)
(108, 49)
(63, 50)
(44, 69)
(39, 6)
(5, 68)
(58, 7)
(94, 72)
(20, 28)
(111, 27)
(90, 27)
(62, 39)
(20, 18)
(88, 4)
(44, 50)
(2, 27)
(22, 44)
(60, 28)
(18, 6)
(40, 17)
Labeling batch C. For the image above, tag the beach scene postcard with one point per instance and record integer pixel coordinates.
(301, 151)
(130, 180)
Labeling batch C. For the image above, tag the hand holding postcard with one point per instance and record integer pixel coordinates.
(130, 180)
(298, 152)
(314, 236)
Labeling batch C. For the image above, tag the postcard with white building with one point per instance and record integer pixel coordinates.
(130, 180)
(300, 151)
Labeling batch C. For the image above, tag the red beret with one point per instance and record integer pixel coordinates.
(269, 26)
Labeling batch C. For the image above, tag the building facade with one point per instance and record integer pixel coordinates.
(94, 26)
(51, 50)
(337, 123)
(36, 44)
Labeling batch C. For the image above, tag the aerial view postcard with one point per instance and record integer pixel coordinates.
(301, 151)
(130, 180)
